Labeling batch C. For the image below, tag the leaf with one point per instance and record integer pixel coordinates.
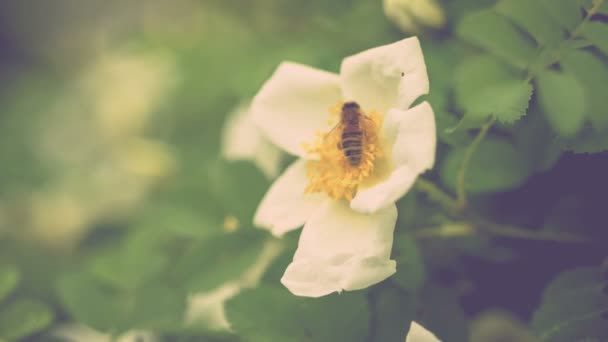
(9, 278)
(90, 303)
(154, 306)
(588, 140)
(597, 33)
(534, 140)
(273, 314)
(566, 12)
(239, 186)
(494, 33)
(572, 307)
(127, 269)
(216, 260)
(484, 86)
(561, 98)
(411, 272)
(24, 317)
(495, 166)
(592, 74)
(531, 16)
(393, 313)
(440, 312)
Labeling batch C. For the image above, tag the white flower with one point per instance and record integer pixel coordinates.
(418, 333)
(412, 16)
(242, 140)
(348, 212)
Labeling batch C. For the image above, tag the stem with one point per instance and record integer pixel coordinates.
(590, 13)
(461, 200)
(516, 232)
(458, 229)
(436, 194)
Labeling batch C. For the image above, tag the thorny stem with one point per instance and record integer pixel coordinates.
(461, 199)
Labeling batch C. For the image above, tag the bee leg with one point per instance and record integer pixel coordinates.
(339, 145)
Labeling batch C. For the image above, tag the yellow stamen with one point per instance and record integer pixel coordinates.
(329, 170)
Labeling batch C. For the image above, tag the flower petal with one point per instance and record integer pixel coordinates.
(340, 249)
(386, 192)
(416, 138)
(389, 76)
(293, 105)
(242, 140)
(418, 333)
(412, 139)
(285, 206)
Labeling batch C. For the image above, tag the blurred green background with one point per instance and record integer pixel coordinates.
(116, 206)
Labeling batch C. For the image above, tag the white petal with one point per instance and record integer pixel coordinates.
(389, 76)
(242, 140)
(340, 249)
(386, 192)
(416, 139)
(418, 333)
(293, 105)
(412, 138)
(285, 206)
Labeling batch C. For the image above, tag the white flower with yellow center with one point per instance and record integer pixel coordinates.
(347, 208)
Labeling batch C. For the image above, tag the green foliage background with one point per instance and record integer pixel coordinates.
(512, 217)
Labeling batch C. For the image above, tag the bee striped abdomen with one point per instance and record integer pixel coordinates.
(352, 146)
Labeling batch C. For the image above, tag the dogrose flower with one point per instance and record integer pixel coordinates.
(412, 16)
(347, 209)
(418, 333)
(242, 140)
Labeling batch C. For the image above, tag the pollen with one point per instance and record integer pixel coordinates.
(329, 170)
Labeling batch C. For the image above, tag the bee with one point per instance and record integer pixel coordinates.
(352, 133)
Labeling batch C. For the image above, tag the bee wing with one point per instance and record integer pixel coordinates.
(332, 134)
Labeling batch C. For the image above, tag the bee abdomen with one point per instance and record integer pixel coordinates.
(351, 145)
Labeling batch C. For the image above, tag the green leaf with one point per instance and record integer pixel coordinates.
(562, 100)
(531, 16)
(127, 269)
(592, 74)
(494, 33)
(495, 166)
(216, 260)
(588, 140)
(154, 306)
(239, 186)
(440, 312)
(597, 33)
(534, 140)
(9, 278)
(88, 302)
(393, 313)
(273, 314)
(24, 317)
(566, 12)
(411, 272)
(484, 86)
(572, 307)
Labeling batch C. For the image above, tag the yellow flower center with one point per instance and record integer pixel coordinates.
(330, 171)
